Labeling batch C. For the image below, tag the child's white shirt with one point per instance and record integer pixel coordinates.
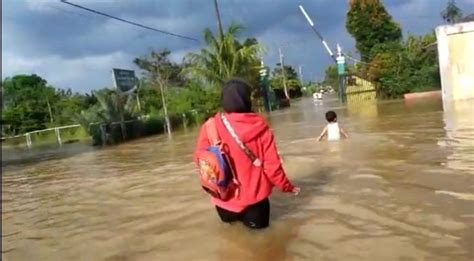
(334, 133)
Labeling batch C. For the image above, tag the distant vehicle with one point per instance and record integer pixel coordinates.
(318, 95)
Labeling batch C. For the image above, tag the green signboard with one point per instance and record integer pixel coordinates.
(124, 80)
(340, 65)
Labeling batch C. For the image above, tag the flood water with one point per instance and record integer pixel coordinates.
(401, 188)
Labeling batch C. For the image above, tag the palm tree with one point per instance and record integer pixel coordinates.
(111, 108)
(225, 57)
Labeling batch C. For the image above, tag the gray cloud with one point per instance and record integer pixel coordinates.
(73, 48)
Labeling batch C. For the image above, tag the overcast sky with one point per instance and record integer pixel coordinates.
(72, 48)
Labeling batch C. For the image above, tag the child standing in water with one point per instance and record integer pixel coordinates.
(332, 130)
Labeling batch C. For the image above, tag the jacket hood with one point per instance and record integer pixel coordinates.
(248, 126)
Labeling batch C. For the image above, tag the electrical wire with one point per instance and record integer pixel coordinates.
(128, 22)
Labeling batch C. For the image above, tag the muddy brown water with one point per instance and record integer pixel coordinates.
(401, 188)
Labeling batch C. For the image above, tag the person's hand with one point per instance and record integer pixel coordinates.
(296, 191)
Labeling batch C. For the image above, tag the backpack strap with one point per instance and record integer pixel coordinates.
(256, 161)
(211, 131)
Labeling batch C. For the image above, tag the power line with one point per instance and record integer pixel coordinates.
(128, 22)
(77, 15)
(64, 11)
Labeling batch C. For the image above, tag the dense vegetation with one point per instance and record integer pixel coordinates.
(175, 94)
(371, 26)
(396, 65)
(169, 95)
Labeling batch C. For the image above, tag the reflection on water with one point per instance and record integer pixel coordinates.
(459, 121)
(402, 188)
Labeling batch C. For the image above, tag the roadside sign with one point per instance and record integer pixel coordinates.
(124, 80)
(340, 65)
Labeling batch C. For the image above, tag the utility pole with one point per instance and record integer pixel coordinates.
(339, 58)
(311, 23)
(282, 66)
(301, 73)
(165, 109)
(49, 110)
(219, 21)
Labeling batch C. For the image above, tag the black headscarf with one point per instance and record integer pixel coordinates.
(235, 96)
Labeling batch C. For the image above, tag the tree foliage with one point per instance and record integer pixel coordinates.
(371, 25)
(396, 66)
(452, 13)
(226, 57)
(194, 96)
(159, 69)
(406, 67)
(276, 81)
(161, 72)
(189, 87)
(331, 77)
(293, 83)
(29, 103)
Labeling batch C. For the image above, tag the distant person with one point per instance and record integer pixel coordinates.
(249, 143)
(332, 129)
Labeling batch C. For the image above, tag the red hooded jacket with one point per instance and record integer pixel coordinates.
(256, 183)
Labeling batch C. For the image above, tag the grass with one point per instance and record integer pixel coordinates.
(48, 138)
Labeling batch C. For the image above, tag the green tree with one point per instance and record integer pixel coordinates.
(194, 97)
(452, 13)
(290, 72)
(406, 67)
(331, 77)
(68, 104)
(110, 107)
(225, 57)
(160, 71)
(370, 24)
(292, 80)
(27, 103)
(150, 97)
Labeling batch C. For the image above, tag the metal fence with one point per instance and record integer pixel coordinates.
(102, 133)
(359, 89)
(60, 135)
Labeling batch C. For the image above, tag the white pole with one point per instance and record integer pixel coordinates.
(184, 120)
(316, 31)
(165, 110)
(58, 136)
(28, 140)
(327, 48)
(306, 16)
(283, 73)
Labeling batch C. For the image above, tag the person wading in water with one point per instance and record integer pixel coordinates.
(253, 158)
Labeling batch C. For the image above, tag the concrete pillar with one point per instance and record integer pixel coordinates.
(456, 60)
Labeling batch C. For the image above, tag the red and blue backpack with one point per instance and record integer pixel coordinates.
(216, 173)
